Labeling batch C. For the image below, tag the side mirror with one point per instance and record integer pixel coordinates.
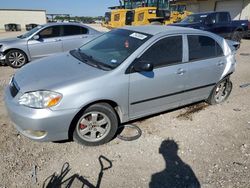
(36, 37)
(142, 66)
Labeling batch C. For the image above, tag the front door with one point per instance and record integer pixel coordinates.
(49, 43)
(161, 89)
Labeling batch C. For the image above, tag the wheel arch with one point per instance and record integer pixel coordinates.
(113, 104)
(239, 29)
(25, 53)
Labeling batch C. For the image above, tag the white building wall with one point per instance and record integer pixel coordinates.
(245, 14)
(22, 17)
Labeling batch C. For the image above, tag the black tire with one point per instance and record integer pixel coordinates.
(16, 58)
(237, 36)
(102, 109)
(226, 91)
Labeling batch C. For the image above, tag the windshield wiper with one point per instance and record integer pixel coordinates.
(90, 60)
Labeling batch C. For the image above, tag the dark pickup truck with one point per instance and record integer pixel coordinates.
(217, 22)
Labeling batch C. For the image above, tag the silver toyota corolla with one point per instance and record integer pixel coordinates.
(120, 76)
(43, 41)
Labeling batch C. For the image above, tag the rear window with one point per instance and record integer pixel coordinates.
(203, 47)
(223, 17)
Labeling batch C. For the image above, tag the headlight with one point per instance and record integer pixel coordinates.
(151, 11)
(40, 99)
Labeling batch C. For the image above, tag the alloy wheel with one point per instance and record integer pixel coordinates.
(93, 126)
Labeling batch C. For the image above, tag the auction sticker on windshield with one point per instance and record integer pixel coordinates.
(138, 36)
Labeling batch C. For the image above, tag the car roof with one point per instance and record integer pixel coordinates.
(157, 29)
(69, 23)
(63, 23)
(209, 12)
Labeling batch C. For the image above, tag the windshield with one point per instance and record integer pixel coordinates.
(131, 4)
(194, 18)
(112, 48)
(161, 3)
(31, 32)
(178, 8)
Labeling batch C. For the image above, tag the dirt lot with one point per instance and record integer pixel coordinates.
(198, 145)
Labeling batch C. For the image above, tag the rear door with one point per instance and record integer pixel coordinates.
(205, 67)
(161, 89)
(49, 42)
(74, 36)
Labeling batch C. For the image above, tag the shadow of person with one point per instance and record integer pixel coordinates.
(177, 174)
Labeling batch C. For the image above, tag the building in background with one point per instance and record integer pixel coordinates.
(21, 19)
(239, 9)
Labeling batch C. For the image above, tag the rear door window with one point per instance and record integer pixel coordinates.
(50, 32)
(69, 30)
(203, 47)
(223, 17)
(165, 52)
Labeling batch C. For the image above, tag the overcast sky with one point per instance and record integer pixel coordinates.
(73, 7)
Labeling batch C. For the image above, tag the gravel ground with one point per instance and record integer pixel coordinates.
(196, 145)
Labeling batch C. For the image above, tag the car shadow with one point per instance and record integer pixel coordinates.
(177, 173)
(3, 64)
(76, 180)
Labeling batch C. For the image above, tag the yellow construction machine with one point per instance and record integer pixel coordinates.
(179, 11)
(143, 12)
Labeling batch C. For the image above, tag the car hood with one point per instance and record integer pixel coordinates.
(10, 40)
(54, 72)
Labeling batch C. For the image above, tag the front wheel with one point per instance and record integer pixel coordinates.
(97, 125)
(16, 58)
(220, 92)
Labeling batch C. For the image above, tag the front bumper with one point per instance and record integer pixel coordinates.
(54, 123)
(2, 56)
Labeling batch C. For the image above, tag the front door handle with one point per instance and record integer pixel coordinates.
(58, 40)
(181, 71)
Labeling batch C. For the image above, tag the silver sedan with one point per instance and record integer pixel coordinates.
(44, 40)
(123, 75)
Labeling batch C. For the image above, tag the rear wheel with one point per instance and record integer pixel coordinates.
(220, 92)
(97, 125)
(237, 36)
(16, 58)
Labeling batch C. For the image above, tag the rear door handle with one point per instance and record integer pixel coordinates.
(181, 71)
(58, 40)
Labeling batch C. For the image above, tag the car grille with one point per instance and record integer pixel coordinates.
(14, 89)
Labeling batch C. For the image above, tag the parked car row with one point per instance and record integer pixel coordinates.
(44, 40)
(124, 74)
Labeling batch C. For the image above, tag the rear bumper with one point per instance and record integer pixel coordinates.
(54, 124)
